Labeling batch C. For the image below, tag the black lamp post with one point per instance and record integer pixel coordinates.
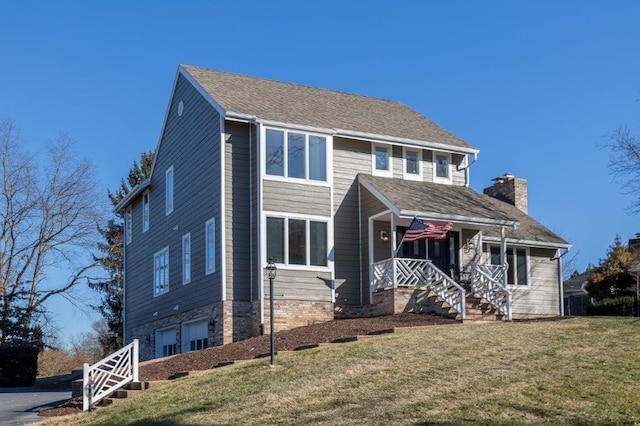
(271, 274)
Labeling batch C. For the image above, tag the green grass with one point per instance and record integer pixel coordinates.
(578, 371)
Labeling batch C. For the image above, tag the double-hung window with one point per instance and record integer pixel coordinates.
(296, 155)
(210, 246)
(161, 272)
(168, 177)
(412, 164)
(441, 167)
(382, 164)
(294, 241)
(128, 223)
(186, 258)
(517, 261)
(145, 211)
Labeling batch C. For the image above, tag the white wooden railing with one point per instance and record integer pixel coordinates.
(487, 281)
(110, 374)
(392, 273)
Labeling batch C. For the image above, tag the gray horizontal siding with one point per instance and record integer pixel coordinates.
(300, 285)
(370, 206)
(191, 144)
(287, 197)
(238, 212)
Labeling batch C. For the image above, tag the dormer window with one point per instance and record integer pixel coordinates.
(381, 160)
(441, 167)
(412, 164)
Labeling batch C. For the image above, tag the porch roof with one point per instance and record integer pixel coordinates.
(459, 204)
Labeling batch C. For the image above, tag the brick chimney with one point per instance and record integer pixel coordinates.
(511, 190)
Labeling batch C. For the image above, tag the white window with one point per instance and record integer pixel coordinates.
(412, 163)
(441, 167)
(294, 241)
(145, 211)
(296, 155)
(165, 342)
(210, 246)
(382, 164)
(128, 223)
(518, 264)
(161, 272)
(168, 176)
(186, 258)
(195, 335)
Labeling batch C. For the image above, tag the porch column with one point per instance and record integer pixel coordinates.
(503, 255)
(393, 235)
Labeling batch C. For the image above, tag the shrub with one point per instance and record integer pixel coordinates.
(620, 307)
(18, 365)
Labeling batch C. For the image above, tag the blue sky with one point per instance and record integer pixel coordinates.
(534, 85)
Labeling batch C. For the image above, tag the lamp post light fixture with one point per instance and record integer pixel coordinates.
(271, 274)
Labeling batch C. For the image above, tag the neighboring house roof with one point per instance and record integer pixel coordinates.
(577, 284)
(310, 106)
(434, 201)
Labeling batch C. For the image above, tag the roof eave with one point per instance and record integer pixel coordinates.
(466, 220)
(131, 195)
(530, 243)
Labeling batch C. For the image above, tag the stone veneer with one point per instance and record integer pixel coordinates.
(232, 321)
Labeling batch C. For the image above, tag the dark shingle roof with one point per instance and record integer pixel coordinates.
(310, 106)
(434, 198)
(576, 284)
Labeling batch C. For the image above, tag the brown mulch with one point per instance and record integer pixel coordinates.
(288, 340)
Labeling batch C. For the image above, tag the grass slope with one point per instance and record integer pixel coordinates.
(578, 371)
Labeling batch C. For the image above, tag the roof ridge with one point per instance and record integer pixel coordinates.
(298, 85)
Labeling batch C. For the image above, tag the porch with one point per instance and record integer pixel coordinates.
(427, 281)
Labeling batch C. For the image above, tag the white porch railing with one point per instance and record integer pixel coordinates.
(488, 281)
(110, 374)
(391, 273)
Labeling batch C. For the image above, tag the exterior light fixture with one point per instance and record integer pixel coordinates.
(271, 274)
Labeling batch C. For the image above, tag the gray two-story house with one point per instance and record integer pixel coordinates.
(324, 183)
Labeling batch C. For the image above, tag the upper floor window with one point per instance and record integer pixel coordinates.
(296, 155)
(161, 272)
(412, 167)
(210, 246)
(186, 258)
(145, 211)
(381, 160)
(517, 270)
(297, 241)
(128, 222)
(441, 167)
(169, 190)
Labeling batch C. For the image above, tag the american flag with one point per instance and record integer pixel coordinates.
(421, 230)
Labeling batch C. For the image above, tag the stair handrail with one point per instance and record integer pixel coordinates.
(486, 281)
(394, 272)
(109, 374)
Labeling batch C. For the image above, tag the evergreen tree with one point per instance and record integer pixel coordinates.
(112, 289)
(611, 278)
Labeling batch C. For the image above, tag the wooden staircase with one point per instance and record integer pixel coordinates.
(478, 309)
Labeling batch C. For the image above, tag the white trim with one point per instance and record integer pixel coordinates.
(146, 210)
(187, 237)
(440, 179)
(388, 172)
(182, 71)
(223, 212)
(209, 270)
(412, 176)
(169, 192)
(528, 243)
(131, 195)
(370, 240)
(262, 246)
(155, 284)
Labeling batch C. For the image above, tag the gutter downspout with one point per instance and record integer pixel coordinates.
(558, 257)
(466, 169)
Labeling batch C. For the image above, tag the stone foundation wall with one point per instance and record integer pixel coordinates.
(296, 313)
(393, 301)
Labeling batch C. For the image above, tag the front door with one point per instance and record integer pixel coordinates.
(445, 253)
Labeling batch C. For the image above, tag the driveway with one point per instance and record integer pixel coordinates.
(20, 406)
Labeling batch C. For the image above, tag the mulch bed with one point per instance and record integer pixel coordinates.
(288, 340)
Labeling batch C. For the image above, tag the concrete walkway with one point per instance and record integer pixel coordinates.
(20, 406)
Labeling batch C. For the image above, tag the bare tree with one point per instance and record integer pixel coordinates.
(49, 211)
(625, 164)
